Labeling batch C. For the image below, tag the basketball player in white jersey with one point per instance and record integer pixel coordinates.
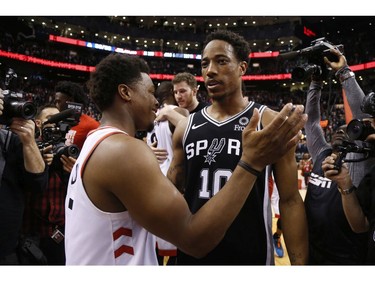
(118, 198)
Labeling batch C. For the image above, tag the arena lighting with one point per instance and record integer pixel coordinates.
(109, 48)
(286, 76)
(56, 64)
(264, 54)
(86, 68)
(363, 66)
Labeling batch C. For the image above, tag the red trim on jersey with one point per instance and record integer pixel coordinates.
(97, 143)
(167, 253)
(124, 249)
(122, 231)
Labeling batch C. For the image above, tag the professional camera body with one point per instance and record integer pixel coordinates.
(314, 54)
(54, 132)
(15, 104)
(358, 131)
(368, 104)
(361, 129)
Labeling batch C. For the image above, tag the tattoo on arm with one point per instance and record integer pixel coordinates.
(177, 176)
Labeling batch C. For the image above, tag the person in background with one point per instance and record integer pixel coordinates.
(21, 169)
(65, 92)
(160, 140)
(185, 90)
(207, 150)
(331, 240)
(357, 201)
(275, 198)
(305, 165)
(118, 199)
(44, 216)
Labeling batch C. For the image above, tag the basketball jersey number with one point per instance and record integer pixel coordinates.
(219, 178)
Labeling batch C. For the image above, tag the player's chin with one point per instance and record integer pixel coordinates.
(150, 126)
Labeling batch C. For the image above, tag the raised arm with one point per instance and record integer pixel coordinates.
(352, 90)
(315, 139)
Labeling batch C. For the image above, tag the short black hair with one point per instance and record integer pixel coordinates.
(240, 46)
(113, 70)
(73, 90)
(164, 91)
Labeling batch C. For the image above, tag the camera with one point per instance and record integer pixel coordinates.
(314, 54)
(359, 129)
(15, 104)
(302, 73)
(67, 150)
(54, 132)
(56, 136)
(368, 104)
(367, 149)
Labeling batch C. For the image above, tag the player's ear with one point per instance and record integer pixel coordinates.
(123, 91)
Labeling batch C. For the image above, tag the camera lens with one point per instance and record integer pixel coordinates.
(28, 110)
(354, 129)
(303, 73)
(359, 129)
(73, 151)
(24, 109)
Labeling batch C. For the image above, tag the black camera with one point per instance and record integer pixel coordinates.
(55, 136)
(368, 104)
(67, 150)
(367, 149)
(359, 129)
(15, 104)
(304, 72)
(55, 129)
(314, 54)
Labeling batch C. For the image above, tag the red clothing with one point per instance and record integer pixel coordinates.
(78, 133)
(44, 211)
(306, 167)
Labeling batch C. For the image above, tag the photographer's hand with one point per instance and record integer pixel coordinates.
(342, 176)
(47, 154)
(25, 129)
(336, 65)
(68, 163)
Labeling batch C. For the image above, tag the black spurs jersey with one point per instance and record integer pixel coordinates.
(212, 151)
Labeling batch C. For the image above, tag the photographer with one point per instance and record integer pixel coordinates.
(22, 168)
(331, 240)
(45, 212)
(65, 92)
(358, 202)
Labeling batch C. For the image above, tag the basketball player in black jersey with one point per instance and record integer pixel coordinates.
(207, 148)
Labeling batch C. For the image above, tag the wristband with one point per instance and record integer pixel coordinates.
(248, 168)
(344, 74)
(347, 191)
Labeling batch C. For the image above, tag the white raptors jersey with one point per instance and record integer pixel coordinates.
(95, 237)
(163, 135)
